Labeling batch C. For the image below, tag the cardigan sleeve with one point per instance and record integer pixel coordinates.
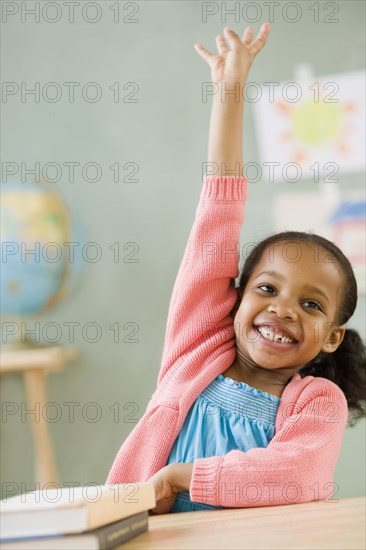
(297, 465)
(210, 261)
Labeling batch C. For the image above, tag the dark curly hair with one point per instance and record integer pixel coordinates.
(346, 367)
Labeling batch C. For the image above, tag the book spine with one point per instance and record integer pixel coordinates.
(121, 531)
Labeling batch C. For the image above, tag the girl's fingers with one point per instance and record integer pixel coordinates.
(233, 40)
(221, 45)
(261, 39)
(247, 36)
(201, 50)
(232, 37)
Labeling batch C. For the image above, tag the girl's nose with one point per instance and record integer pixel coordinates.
(283, 308)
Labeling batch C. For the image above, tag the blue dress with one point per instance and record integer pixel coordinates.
(226, 416)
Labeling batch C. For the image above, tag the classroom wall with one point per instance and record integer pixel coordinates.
(165, 133)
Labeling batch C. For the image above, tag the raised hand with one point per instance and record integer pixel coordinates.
(236, 56)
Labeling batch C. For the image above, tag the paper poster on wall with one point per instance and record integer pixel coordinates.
(313, 127)
(337, 216)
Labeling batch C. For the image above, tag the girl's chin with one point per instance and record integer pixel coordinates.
(266, 361)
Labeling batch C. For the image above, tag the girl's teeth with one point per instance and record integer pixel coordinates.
(267, 333)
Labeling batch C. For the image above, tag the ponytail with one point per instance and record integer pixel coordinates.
(346, 367)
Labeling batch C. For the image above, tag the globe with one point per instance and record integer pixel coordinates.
(41, 252)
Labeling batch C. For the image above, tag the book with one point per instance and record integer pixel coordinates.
(103, 538)
(64, 510)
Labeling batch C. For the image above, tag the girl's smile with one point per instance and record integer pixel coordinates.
(288, 312)
(276, 333)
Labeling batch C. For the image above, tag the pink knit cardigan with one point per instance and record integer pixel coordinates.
(299, 462)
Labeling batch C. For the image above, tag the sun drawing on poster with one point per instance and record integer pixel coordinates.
(317, 125)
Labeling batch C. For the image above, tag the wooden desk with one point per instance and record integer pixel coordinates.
(313, 525)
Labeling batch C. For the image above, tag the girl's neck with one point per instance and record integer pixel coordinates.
(267, 380)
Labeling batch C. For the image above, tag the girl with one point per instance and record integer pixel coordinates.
(256, 382)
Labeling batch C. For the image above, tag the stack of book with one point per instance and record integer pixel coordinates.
(97, 517)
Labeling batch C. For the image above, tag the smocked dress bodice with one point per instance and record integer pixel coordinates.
(226, 416)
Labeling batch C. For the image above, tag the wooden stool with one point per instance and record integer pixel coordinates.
(35, 364)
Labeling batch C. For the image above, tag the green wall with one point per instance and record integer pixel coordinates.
(165, 133)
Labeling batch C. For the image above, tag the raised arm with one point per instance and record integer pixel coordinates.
(199, 325)
(229, 73)
(204, 294)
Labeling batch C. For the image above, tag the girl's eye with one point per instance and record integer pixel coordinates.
(267, 288)
(313, 305)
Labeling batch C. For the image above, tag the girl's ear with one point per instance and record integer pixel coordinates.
(334, 339)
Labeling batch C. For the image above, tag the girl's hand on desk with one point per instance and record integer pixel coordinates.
(168, 482)
(235, 58)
